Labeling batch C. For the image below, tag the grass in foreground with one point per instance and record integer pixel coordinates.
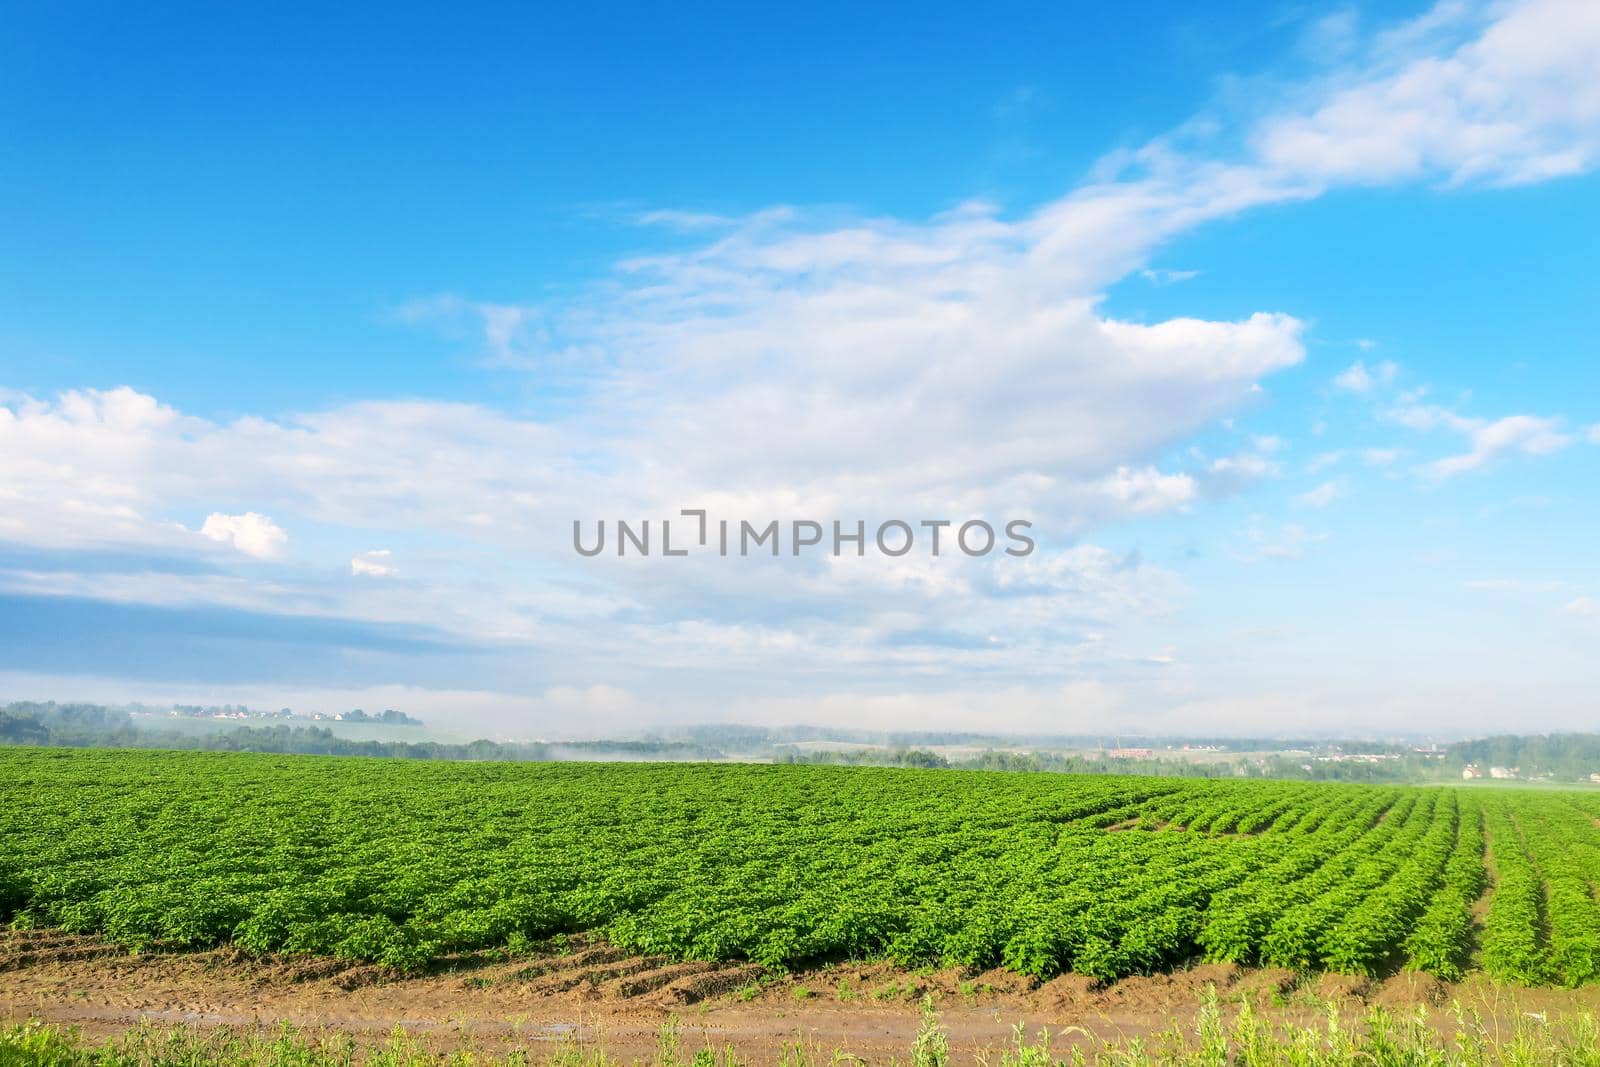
(1459, 1037)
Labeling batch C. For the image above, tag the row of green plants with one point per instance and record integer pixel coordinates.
(400, 863)
(1441, 940)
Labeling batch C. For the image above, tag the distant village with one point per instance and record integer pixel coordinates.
(1393, 761)
(387, 717)
(1477, 770)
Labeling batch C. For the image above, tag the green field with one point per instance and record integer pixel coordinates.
(401, 862)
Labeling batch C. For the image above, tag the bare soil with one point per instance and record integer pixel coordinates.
(591, 992)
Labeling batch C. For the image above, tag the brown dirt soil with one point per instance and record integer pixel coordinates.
(594, 993)
(1342, 987)
(1411, 988)
(1268, 984)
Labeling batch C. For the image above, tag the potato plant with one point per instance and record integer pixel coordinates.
(400, 863)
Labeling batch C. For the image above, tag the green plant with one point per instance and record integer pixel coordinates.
(406, 863)
(932, 1047)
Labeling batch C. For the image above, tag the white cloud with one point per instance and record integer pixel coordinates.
(1584, 607)
(1527, 435)
(1594, 434)
(1321, 496)
(1167, 277)
(1424, 418)
(856, 337)
(373, 564)
(1229, 474)
(116, 467)
(254, 535)
(1147, 490)
(1358, 379)
(685, 221)
(1509, 102)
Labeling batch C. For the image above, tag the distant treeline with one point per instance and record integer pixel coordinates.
(94, 726)
(738, 737)
(387, 717)
(993, 760)
(1561, 756)
(1558, 757)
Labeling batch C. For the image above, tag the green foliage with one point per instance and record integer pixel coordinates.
(401, 862)
(1514, 930)
(932, 1047)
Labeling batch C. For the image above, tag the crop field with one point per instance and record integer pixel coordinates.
(400, 863)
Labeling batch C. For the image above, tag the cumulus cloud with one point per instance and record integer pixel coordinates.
(1231, 474)
(799, 360)
(373, 564)
(1528, 435)
(254, 535)
(1583, 607)
(1358, 379)
(109, 467)
(1510, 99)
(794, 344)
(1147, 490)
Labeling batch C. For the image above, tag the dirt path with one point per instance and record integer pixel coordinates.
(595, 994)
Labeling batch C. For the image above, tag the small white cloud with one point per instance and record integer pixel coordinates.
(1357, 378)
(1321, 496)
(1244, 467)
(1527, 435)
(1380, 457)
(1366, 344)
(1269, 443)
(1226, 475)
(373, 564)
(686, 221)
(1168, 277)
(1584, 607)
(1147, 490)
(1594, 434)
(1354, 379)
(254, 535)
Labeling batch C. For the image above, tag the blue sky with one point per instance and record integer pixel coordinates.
(319, 328)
